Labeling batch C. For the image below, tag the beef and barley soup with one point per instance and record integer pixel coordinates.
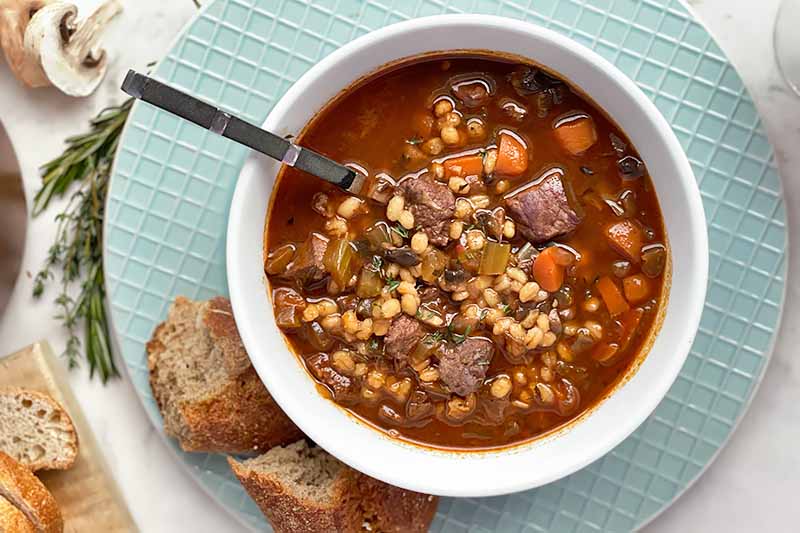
(500, 270)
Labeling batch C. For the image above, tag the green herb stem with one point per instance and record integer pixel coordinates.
(84, 168)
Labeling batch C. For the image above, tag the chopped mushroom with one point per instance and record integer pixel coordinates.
(52, 48)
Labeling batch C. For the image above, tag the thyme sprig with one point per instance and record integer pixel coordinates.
(83, 168)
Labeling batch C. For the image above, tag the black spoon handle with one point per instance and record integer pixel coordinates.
(214, 119)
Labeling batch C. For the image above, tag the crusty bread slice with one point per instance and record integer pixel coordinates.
(303, 489)
(36, 431)
(12, 520)
(25, 492)
(210, 396)
(390, 509)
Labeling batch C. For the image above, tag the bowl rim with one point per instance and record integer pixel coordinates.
(321, 432)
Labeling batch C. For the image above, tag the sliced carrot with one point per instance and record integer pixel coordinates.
(636, 288)
(546, 270)
(626, 238)
(612, 296)
(466, 165)
(512, 156)
(576, 135)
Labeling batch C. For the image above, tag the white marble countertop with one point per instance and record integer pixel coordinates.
(753, 484)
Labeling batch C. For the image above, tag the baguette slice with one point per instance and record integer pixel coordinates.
(301, 489)
(209, 395)
(12, 520)
(36, 431)
(25, 492)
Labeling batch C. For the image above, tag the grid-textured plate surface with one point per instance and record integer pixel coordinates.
(173, 182)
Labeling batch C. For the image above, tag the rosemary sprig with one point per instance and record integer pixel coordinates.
(85, 166)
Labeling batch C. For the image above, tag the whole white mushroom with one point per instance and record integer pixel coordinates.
(56, 48)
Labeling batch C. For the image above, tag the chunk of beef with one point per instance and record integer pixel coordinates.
(403, 335)
(289, 306)
(542, 211)
(462, 367)
(342, 387)
(307, 266)
(429, 294)
(473, 93)
(491, 411)
(432, 205)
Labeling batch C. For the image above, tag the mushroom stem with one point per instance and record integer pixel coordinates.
(85, 38)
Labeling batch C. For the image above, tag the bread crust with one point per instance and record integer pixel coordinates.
(396, 510)
(242, 417)
(12, 520)
(359, 499)
(289, 513)
(25, 492)
(69, 458)
(239, 418)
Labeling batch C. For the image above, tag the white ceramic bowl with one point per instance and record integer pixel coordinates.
(540, 461)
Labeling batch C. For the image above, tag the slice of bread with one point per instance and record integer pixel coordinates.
(210, 396)
(12, 520)
(25, 492)
(303, 489)
(36, 431)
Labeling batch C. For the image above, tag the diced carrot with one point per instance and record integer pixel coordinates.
(547, 272)
(466, 165)
(512, 156)
(576, 135)
(612, 296)
(636, 288)
(626, 238)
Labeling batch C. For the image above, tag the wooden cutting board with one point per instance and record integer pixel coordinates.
(89, 498)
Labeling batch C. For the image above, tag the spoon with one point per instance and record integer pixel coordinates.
(231, 127)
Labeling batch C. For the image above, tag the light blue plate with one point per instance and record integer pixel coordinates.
(173, 182)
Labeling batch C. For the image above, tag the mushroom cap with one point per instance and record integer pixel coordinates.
(66, 56)
(14, 19)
